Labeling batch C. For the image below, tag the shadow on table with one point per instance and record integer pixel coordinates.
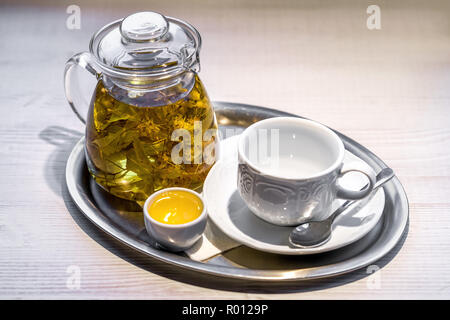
(65, 139)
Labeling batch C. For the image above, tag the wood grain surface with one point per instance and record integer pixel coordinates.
(389, 89)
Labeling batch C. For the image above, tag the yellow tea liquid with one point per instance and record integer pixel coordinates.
(128, 146)
(175, 207)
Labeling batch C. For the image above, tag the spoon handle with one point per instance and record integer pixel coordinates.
(341, 209)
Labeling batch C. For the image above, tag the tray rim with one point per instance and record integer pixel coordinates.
(358, 261)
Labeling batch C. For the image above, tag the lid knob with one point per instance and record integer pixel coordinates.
(144, 26)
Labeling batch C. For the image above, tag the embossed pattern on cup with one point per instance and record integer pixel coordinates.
(284, 202)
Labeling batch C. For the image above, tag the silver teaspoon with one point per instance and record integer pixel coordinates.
(314, 233)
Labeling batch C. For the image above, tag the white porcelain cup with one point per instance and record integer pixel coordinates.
(289, 169)
(175, 237)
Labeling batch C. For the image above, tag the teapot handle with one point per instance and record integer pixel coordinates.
(82, 59)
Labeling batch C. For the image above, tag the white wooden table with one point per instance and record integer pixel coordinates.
(389, 89)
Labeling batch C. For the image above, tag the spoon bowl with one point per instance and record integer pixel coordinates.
(316, 233)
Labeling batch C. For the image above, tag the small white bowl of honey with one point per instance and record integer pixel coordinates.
(175, 217)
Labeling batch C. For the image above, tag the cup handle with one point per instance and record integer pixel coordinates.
(82, 59)
(344, 193)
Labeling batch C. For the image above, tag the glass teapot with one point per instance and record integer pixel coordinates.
(150, 123)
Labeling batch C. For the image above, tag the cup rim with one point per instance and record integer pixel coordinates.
(173, 226)
(304, 122)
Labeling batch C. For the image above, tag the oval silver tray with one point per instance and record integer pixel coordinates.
(117, 218)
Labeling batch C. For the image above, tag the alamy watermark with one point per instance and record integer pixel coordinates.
(73, 281)
(261, 145)
(73, 21)
(374, 20)
(374, 279)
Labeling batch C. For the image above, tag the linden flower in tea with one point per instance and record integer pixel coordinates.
(129, 147)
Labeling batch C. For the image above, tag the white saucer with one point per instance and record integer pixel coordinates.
(229, 212)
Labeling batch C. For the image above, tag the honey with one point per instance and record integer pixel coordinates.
(175, 207)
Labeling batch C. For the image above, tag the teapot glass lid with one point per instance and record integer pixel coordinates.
(146, 43)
